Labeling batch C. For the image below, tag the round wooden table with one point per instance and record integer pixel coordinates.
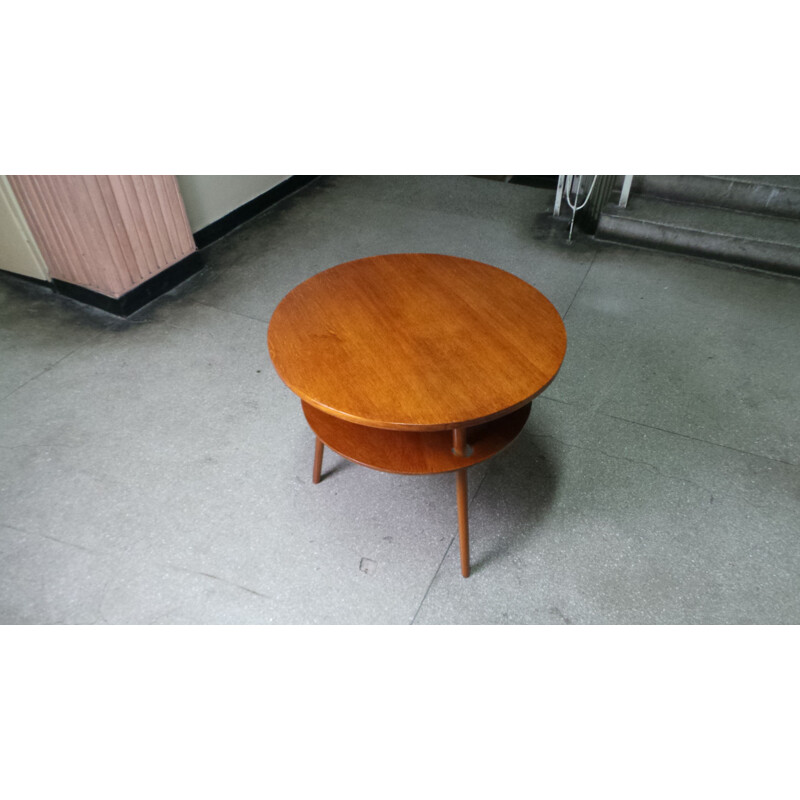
(416, 363)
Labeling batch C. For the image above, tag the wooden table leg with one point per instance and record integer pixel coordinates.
(462, 498)
(463, 520)
(318, 460)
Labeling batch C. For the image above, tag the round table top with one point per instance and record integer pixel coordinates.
(416, 341)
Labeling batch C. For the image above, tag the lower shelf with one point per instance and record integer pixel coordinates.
(413, 453)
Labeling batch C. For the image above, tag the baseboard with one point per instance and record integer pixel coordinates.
(18, 276)
(537, 181)
(139, 296)
(223, 226)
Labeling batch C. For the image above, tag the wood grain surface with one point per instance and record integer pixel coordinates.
(411, 452)
(416, 341)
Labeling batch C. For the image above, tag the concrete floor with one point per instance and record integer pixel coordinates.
(156, 470)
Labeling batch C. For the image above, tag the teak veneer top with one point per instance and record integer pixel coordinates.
(416, 341)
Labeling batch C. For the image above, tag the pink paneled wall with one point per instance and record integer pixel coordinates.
(108, 233)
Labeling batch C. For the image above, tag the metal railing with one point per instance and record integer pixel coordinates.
(591, 206)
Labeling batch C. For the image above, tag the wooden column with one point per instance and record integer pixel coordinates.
(108, 233)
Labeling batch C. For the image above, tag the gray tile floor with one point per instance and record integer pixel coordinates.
(156, 470)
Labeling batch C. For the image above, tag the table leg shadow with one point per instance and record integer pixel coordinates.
(519, 490)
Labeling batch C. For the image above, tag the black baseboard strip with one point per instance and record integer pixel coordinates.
(17, 276)
(538, 181)
(216, 230)
(140, 296)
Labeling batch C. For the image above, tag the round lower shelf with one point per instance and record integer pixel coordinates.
(413, 452)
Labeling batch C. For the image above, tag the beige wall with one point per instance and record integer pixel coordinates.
(209, 197)
(18, 251)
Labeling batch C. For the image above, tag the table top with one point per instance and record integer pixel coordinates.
(416, 341)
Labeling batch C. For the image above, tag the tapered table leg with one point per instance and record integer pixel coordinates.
(318, 460)
(460, 448)
(463, 520)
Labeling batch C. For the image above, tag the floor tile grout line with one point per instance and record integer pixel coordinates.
(433, 578)
(673, 433)
(124, 554)
(471, 502)
(696, 439)
(52, 366)
(478, 490)
(580, 286)
(228, 311)
(561, 402)
(111, 329)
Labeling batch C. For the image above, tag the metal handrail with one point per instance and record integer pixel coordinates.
(627, 180)
(591, 207)
(566, 183)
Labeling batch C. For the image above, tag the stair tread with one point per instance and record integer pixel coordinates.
(712, 220)
(782, 181)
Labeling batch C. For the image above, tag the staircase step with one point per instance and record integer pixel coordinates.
(777, 195)
(735, 237)
(787, 181)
